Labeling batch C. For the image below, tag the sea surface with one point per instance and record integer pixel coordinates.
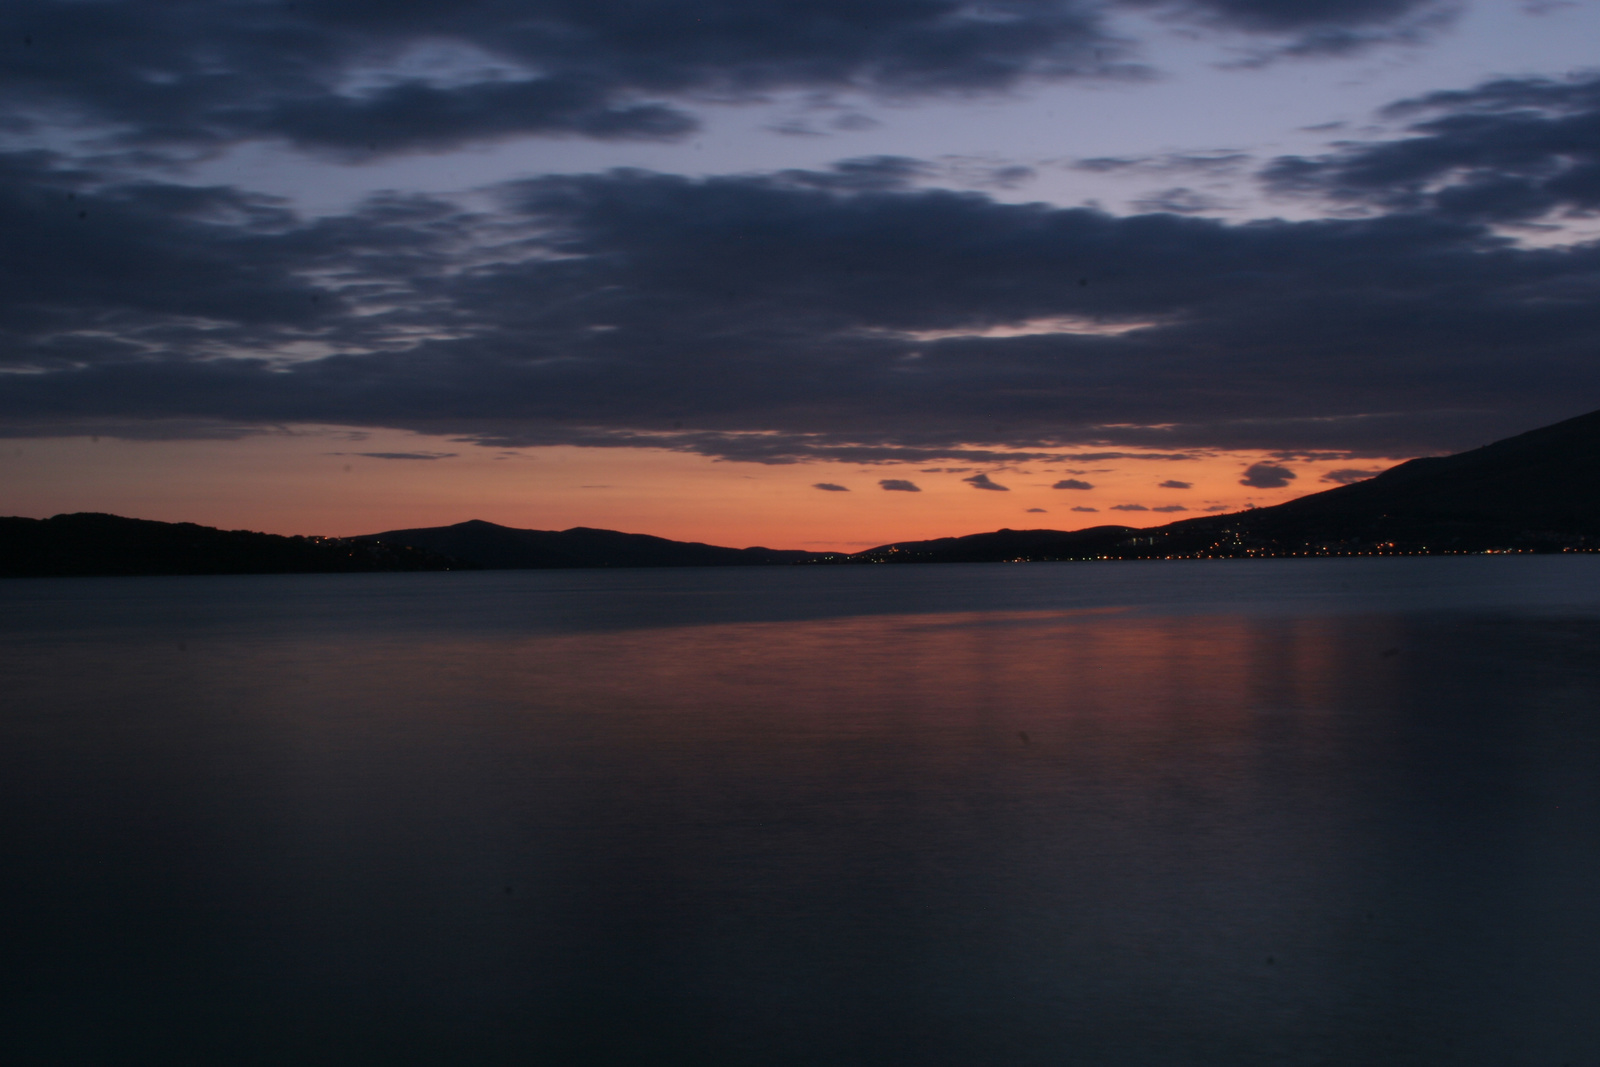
(1219, 813)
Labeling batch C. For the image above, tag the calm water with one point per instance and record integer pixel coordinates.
(1321, 812)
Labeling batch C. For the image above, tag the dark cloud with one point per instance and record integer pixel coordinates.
(1319, 27)
(855, 120)
(399, 455)
(1085, 509)
(1173, 483)
(1096, 457)
(794, 127)
(1009, 176)
(1309, 455)
(361, 75)
(1219, 161)
(357, 77)
(865, 174)
(1512, 150)
(1267, 476)
(1289, 16)
(1349, 474)
(1037, 511)
(1170, 507)
(95, 269)
(1181, 200)
(1071, 483)
(1217, 507)
(899, 485)
(830, 487)
(981, 481)
(1129, 507)
(982, 172)
(778, 318)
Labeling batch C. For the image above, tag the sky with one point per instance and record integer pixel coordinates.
(798, 273)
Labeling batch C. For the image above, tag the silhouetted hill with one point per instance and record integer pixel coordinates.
(486, 544)
(87, 543)
(1536, 492)
(998, 546)
(1547, 478)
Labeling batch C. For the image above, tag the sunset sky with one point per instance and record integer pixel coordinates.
(798, 273)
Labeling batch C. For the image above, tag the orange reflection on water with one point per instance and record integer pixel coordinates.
(947, 838)
(928, 697)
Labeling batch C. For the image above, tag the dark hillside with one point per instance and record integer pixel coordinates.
(88, 543)
(998, 546)
(1536, 492)
(488, 545)
(1546, 477)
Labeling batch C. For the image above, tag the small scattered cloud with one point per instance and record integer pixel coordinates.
(1267, 476)
(1101, 457)
(1071, 483)
(899, 485)
(1221, 161)
(829, 487)
(978, 172)
(1170, 507)
(854, 121)
(1321, 30)
(794, 127)
(1313, 455)
(1129, 507)
(1173, 483)
(981, 481)
(398, 455)
(1217, 507)
(862, 174)
(1037, 511)
(1180, 200)
(1085, 509)
(1346, 475)
(1009, 177)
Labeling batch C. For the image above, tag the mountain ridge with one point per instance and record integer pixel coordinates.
(95, 544)
(492, 546)
(1538, 491)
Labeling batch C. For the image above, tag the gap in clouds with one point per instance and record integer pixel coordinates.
(291, 483)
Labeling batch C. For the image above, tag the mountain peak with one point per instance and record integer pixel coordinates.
(490, 545)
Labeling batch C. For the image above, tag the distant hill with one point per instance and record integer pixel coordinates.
(1536, 492)
(1543, 481)
(998, 546)
(488, 545)
(87, 543)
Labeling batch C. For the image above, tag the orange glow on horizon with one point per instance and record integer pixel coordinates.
(333, 481)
